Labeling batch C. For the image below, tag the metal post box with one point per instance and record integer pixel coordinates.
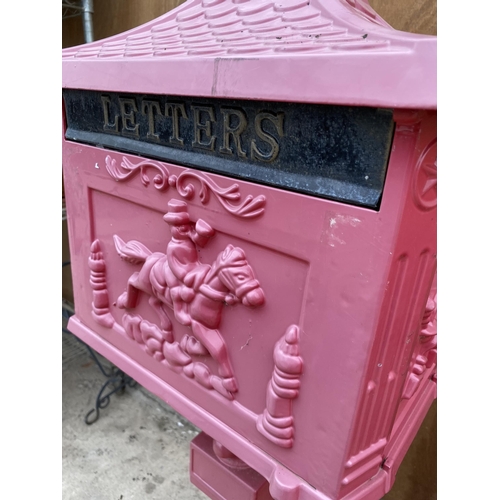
(251, 200)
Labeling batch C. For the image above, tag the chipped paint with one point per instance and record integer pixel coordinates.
(334, 228)
(346, 220)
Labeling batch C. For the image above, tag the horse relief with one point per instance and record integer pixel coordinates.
(176, 281)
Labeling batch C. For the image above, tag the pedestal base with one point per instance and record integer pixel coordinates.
(219, 481)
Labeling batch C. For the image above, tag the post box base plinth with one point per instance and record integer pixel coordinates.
(219, 481)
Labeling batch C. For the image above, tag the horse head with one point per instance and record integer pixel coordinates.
(236, 274)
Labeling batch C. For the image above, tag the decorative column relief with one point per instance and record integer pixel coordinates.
(100, 304)
(276, 422)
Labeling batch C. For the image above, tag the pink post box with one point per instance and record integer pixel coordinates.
(251, 199)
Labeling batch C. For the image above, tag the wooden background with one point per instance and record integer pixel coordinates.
(417, 476)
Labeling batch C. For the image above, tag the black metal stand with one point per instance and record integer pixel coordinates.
(117, 379)
(116, 383)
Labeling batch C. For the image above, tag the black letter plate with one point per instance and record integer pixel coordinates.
(334, 152)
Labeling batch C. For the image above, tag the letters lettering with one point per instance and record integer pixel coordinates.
(176, 110)
(148, 108)
(108, 127)
(205, 127)
(235, 131)
(277, 121)
(238, 133)
(128, 110)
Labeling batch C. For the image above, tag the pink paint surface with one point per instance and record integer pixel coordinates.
(318, 414)
(309, 51)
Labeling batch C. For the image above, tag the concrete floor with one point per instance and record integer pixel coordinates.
(139, 446)
(137, 449)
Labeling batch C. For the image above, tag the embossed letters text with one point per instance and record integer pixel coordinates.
(213, 128)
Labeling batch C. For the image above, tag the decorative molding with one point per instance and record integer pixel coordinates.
(399, 324)
(364, 461)
(100, 304)
(381, 380)
(228, 197)
(374, 463)
(196, 293)
(276, 422)
(366, 454)
(425, 178)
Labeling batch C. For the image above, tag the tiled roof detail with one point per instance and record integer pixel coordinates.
(237, 27)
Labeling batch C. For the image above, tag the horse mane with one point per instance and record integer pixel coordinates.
(230, 257)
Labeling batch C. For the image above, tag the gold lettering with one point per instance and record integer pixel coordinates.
(206, 127)
(108, 127)
(178, 110)
(149, 107)
(233, 131)
(128, 109)
(277, 121)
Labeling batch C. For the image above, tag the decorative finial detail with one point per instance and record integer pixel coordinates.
(100, 304)
(276, 422)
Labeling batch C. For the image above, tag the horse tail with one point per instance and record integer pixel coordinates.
(133, 251)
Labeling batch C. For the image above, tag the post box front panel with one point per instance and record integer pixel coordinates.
(287, 291)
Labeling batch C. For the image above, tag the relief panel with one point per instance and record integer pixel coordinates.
(180, 290)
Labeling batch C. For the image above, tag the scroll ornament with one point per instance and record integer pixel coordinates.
(229, 197)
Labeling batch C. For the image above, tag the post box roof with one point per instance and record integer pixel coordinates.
(317, 51)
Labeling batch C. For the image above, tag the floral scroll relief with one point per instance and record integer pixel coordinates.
(229, 197)
(176, 281)
(276, 422)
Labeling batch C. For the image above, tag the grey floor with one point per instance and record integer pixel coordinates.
(137, 449)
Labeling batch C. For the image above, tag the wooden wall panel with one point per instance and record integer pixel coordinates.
(72, 32)
(414, 16)
(416, 478)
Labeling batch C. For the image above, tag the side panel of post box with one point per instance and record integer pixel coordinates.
(321, 265)
(413, 161)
